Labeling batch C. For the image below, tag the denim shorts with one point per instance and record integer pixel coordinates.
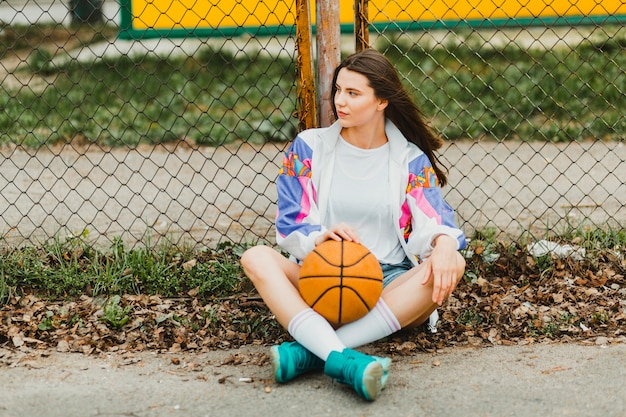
(393, 271)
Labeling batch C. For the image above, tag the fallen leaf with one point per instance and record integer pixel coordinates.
(555, 369)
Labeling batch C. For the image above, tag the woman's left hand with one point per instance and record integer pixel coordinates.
(445, 266)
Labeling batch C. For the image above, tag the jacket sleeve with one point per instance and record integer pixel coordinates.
(297, 216)
(425, 213)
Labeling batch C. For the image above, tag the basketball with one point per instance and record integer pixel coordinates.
(341, 280)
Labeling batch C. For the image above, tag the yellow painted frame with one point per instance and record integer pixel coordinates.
(175, 18)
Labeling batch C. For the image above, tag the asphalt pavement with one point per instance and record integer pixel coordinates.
(520, 381)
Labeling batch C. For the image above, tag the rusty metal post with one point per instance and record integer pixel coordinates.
(328, 37)
(361, 25)
(306, 100)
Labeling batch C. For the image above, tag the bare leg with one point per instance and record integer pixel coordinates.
(409, 299)
(275, 278)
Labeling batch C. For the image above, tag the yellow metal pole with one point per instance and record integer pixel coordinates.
(361, 25)
(307, 107)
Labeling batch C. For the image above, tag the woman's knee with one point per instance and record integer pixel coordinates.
(254, 258)
(264, 264)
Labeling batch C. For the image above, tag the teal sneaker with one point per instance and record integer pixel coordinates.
(362, 372)
(384, 362)
(291, 359)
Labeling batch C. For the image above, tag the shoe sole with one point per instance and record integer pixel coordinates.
(372, 381)
(275, 355)
(385, 363)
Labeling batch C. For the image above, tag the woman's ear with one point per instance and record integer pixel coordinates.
(382, 104)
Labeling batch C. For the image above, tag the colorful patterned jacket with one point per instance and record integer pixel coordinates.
(304, 181)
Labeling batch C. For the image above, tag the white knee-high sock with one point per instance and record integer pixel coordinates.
(315, 333)
(378, 323)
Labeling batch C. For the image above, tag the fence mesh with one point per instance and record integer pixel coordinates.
(178, 133)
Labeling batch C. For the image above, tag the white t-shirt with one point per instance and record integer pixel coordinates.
(360, 196)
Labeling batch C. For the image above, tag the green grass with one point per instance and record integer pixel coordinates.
(70, 267)
(212, 98)
(115, 315)
(511, 93)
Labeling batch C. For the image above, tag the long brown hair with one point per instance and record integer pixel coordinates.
(401, 110)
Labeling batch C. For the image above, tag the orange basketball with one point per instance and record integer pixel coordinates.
(341, 280)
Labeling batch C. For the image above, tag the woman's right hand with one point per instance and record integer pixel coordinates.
(341, 231)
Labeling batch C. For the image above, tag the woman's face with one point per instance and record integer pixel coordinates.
(355, 101)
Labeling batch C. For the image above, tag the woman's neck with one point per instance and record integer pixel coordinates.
(366, 136)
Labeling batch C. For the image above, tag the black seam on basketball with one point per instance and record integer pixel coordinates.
(341, 288)
(327, 260)
(340, 265)
(357, 261)
(338, 320)
(340, 309)
(337, 276)
(359, 297)
(341, 278)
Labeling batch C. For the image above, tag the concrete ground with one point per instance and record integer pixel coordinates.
(520, 381)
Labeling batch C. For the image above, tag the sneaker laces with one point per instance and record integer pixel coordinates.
(304, 360)
(351, 367)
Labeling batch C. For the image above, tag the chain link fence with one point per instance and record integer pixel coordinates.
(116, 124)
